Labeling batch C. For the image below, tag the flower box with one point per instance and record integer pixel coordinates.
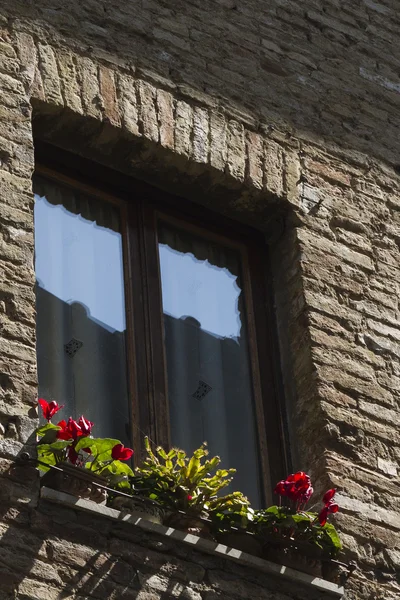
(76, 481)
(241, 540)
(189, 523)
(139, 507)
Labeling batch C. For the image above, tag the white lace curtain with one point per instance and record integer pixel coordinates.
(81, 357)
(209, 379)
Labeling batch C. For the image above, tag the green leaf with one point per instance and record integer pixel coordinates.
(50, 454)
(193, 467)
(49, 437)
(123, 485)
(54, 447)
(222, 473)
(161, 452)
(181, 456)
(48, 427)
(331, 532)
(300, 518)
(101, 447)
(151, 457)
(118, 467)
(274, 510)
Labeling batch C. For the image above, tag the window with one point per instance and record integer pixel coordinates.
(152, 319)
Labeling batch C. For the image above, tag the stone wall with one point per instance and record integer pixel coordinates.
(59, 552)
(264, 111)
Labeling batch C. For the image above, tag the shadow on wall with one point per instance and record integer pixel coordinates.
(53, 552)
(326, 69)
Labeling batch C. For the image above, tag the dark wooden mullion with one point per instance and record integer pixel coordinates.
(254, 358)
(157, 376)
(139, 358)
(268, 358)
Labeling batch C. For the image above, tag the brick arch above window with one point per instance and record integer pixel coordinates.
(145, 128)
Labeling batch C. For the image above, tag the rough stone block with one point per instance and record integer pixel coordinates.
(108, 95)
(147, 111)
(200, 135)
(218, 146)
(236, 158)
(49, 74)
(90, 86)
(255, 158)
(71, 81)
(183, 128)
(165, 110)
(128, 103)
(274, 168)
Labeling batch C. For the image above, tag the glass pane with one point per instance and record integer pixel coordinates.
(80, 307)
(209, 379)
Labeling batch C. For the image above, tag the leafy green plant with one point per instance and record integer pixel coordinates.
(281, 524)
(239, 516)
(192, 484)
(293, 523)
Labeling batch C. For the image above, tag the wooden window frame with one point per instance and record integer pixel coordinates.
(141, 205)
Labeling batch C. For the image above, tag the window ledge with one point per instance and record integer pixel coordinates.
(328, 589)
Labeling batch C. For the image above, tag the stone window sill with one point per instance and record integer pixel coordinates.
(325, 588)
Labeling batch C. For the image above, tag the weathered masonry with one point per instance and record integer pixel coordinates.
(279, 117)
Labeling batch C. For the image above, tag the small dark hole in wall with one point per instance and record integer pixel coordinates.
(396, 169)
(6, 382)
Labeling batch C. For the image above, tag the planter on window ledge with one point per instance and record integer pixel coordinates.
(183, 492)
(76, 481)
(300, 556)
(190, 523)
(294, 537)
(241, 540)
(232, 528)
(139, 507)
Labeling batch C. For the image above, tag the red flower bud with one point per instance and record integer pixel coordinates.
(330, 507)
(328, 495)
(119, 452)
(49, 409)
(323, 515)
(280, 488)
(190, 497)
(72, 455)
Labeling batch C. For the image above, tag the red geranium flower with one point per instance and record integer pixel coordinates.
(69, 430)
(330, 507)
(296, 487)
(119, 452)
(49, 409)
(85, 426)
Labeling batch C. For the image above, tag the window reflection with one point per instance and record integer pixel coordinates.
(80, 307)
(209, 379)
